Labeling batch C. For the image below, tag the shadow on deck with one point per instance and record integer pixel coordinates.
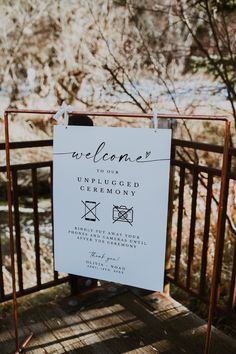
(113, 320)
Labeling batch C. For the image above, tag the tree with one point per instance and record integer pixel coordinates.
(211, 24)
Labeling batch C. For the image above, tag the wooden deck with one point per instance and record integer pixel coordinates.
(113, 320)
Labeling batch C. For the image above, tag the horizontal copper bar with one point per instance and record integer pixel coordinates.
(125, 114)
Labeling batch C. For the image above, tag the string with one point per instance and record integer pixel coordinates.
(63, 112)
(154, 119)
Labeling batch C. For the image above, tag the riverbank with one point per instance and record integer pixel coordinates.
(191, 94)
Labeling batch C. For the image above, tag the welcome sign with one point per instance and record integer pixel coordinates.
(110, 190)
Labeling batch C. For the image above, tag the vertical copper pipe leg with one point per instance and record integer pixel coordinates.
(215, 280)
(10, 221)
(12, 248)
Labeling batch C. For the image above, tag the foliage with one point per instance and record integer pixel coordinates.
(211, 65)
(226, 5)
(95, 53)
(212, 26)
(63, 49)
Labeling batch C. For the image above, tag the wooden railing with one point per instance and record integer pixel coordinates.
(195, 187)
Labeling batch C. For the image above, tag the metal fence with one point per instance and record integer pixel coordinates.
(33, 249)
(194, 220)
(195, 193)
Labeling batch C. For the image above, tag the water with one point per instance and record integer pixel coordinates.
(185, 91)
(28, 242)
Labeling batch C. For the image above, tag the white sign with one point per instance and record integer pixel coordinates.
(110, 188)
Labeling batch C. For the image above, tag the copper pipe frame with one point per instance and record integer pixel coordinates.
(214, 285)
(19, 348)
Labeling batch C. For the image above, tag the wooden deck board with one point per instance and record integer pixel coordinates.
(105, 323)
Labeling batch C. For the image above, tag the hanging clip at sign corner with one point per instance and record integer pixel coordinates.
(154, 120)
(63, 112)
